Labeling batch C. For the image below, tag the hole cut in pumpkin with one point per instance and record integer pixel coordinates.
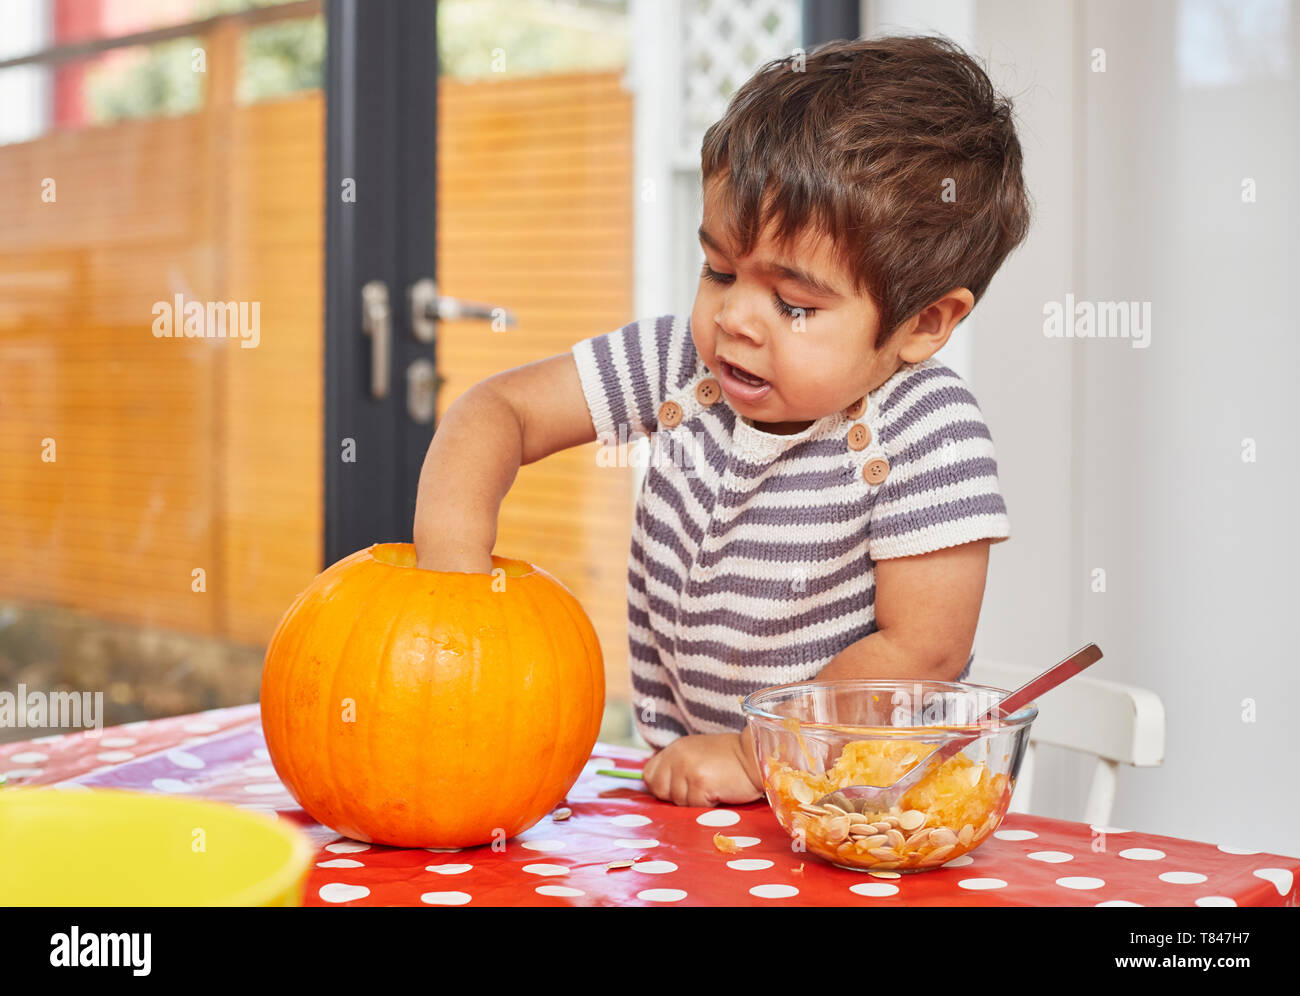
(403, 555)
(513, 568)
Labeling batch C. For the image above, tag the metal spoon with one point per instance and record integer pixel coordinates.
(881, 799)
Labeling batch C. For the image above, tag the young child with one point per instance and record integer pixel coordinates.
(838, 496)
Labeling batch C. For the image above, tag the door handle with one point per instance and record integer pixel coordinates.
(428, 308)
(377, 322)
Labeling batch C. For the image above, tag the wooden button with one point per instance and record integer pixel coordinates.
(875, 471)
(670, 414)
(708, 391)
(856, 409)
(859, 437)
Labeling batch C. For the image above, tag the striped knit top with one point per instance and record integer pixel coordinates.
(753, 555)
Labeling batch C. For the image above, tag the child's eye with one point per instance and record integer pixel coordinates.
(790, 311)
(718, 278)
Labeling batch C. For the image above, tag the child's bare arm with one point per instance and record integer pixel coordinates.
(927, 607)
(510, 419)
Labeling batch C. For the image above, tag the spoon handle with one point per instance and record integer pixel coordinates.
(1026, 693)
(1049, 679)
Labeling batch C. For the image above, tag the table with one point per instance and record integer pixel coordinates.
(1030, 861)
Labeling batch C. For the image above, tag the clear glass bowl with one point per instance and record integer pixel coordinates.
(815, 737)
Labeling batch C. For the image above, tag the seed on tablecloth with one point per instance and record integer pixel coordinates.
(615, 865)
(725, 844)
(563, 813)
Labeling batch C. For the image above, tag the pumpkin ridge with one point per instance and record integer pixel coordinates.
(332, 576)
(595, 658)
(330, 800)
(555, 674)
(375, 602)
(398, 627)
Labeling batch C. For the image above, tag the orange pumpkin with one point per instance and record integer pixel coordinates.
(426, 709)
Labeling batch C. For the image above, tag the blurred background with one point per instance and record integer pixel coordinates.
(488, 182)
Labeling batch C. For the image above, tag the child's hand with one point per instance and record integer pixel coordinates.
(705, 769)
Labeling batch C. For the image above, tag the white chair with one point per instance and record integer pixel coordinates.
(1116, 723)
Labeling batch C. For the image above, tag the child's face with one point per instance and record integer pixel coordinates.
(813, 365)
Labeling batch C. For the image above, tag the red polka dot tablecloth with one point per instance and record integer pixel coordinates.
(1030, 860)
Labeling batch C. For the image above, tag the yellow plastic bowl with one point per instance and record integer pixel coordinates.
(108, 847)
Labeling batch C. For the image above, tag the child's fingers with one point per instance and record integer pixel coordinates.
(651, 778)
(681, 789)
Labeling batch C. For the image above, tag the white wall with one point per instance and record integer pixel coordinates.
(24, 90)
(1130, 460)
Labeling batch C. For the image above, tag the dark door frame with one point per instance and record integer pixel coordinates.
(828, 20)
(381, 90)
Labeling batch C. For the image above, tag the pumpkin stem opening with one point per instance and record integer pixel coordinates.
(403, 555)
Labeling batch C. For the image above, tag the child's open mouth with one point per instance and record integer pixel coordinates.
(742, 384)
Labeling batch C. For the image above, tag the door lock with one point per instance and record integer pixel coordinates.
(422, 385)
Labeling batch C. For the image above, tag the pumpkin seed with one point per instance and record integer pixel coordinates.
(875, 840)
(942, 837)
(812, 810)
(857, 819)
(881, 826)
(837, 829)
(917, 838)
(885, 874)
(562, 813)
(615, 865)
(841, 800)
(938, 855)
(911, 820)
(837, 810)
(883, 853)
(802, 792)
(965, 835)
(895, 838)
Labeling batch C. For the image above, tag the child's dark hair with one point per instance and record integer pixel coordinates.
(898, 148)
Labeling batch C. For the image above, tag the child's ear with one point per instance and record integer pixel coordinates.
(926, 332)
